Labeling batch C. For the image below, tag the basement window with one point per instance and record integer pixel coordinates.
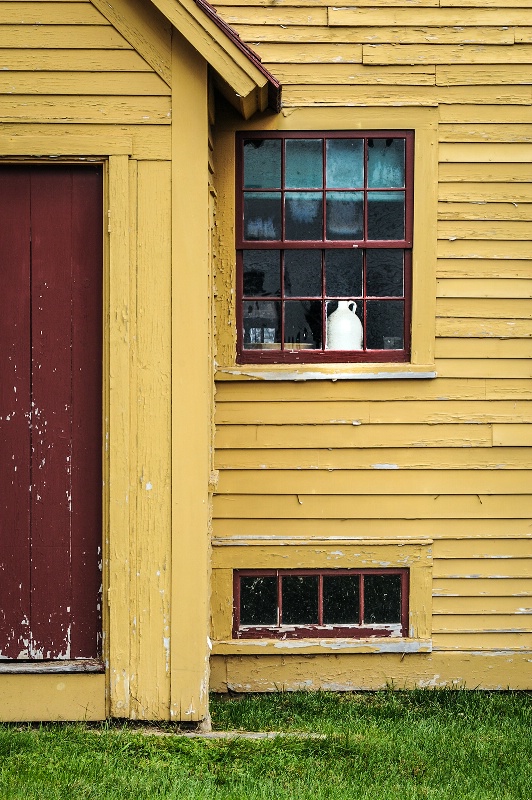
(324, 236)
(347, 603)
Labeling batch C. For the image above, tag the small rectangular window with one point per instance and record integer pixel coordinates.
(348, 603)
(324, 246)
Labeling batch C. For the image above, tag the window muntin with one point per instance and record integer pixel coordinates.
(324, 227)
(347, 603)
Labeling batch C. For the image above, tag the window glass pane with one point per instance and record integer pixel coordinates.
(262, 324)
(304, 216)
(302, 324)
(343, 273)
(382, 598)
(258, 600)
(303, 164)
(385, 324)
(344, 325)
(341, 599)
(262, 164)
(386, 215)
(345, 215)
(302, 273)
(262, 215)
(300, 600)
(262, 272)
(384, 273)
(345, 163)
(386, 163)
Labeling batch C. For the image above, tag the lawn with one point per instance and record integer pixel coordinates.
(444, 745)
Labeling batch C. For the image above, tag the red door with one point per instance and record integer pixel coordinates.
(50, 411)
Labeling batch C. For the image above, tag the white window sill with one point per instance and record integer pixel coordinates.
(253, 647)
(326, 372)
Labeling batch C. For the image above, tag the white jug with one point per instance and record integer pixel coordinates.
(344, 329)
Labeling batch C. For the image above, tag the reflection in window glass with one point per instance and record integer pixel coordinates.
(258, 600)
(345, 215)
(302, 325)
(384, 273)
(262, 215)
(262, 272)
(386, 215)
(385, 324)
(304, 216)
(262, 164)
(382, 598)
(386, 163)
(262, 324)
(302, 273)
(343, 273)
(304, 164)
(300, 600)
(341, 602)
(345, 163)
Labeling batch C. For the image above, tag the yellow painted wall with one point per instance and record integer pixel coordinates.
(316, 463)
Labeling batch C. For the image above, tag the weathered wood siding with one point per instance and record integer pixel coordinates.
(78, 81)
(447, 458)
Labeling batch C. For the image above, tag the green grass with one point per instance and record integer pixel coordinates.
(443, 745)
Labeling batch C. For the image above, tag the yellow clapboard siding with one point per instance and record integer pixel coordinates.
(490, 152)
(518, 231)
(487, 172)
(62, 36)
(508, 388)
(510, 435)
(376, 507)
(471, 640)
(373, 482)
(459, 588)
(478, 248)
(484, 192)
(312, 74)
(497, 132)
(466, 623)
(147, 141)
(112, 110)
(82, 60)
(51, 13)
(488, 308)
(249, 15)
(251, 436)
(494, 549)
(386, 34)
(478, 76)
(507, 349)
(414, 96)
(483, 568)
(481, 605)
(309, 53)
(253, 391)
(484, 211)
(488, 368)
(386, 459)
(439, 17)
(83, 83)
(345, 415)
(484, 113)
(483, 268)
(483, 328)
(397, 529)
(486, 287)
(523, 35)
(444, 54)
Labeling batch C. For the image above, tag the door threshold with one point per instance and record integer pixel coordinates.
(40, 667)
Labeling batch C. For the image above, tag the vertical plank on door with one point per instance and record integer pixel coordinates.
(51, 291)
(87, 284)
(14, 412)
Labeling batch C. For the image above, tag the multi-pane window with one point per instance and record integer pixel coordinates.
(291, 604)
(324, 243)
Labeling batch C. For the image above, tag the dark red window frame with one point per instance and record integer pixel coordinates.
(322, 355)
(352, 631)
